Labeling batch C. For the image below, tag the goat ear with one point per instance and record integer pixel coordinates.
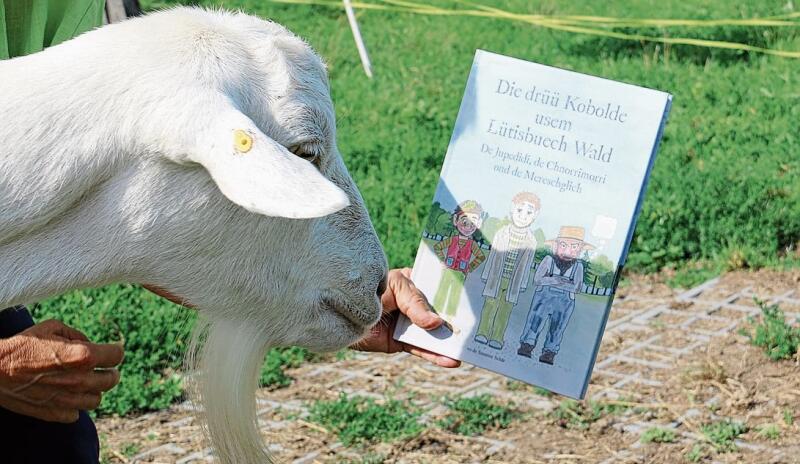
(262, 176)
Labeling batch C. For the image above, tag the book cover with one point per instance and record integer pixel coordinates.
(532, 219)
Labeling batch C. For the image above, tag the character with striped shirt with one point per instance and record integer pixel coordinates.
(507, 269)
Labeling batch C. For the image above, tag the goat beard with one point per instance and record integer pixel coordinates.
(225, 358)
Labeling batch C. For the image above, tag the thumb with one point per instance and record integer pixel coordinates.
(403, 295)
(57, 328)
(73, 334)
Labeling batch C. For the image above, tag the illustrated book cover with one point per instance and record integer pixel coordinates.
(532, 219)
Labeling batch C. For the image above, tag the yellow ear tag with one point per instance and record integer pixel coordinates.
(242, 141)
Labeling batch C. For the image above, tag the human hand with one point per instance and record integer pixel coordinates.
(402, 296)
(51, 371)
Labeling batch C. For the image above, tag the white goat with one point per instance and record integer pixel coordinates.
(155, 151)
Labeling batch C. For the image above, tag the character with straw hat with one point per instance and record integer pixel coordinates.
(558, 278)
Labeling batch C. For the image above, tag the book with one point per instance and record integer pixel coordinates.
(532, 219)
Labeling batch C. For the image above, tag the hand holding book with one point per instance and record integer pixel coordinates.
(403, 297)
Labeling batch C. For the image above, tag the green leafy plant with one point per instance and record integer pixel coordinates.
(769, 431)
(581, 414)
(516, 385)
(691, 274)
(658, 435)
(273, 372)
(474, 415)
(357, 419)
(778, 339)
(722, 434)
(130, 449)
(698, 452)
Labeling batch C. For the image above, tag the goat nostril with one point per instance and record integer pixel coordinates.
(382, 286)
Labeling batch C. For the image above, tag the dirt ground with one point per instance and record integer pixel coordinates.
(672, 359)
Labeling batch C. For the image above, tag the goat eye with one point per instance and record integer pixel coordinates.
(305, 153)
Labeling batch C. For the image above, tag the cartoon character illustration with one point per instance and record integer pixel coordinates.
(507, 269)
(460, 255)
(558, 278)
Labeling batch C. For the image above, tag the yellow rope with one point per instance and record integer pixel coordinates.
(627, 36)
(586, 24)
(634, 22)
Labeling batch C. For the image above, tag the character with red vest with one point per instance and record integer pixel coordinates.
(460, 254)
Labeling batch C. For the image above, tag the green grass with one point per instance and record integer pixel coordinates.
(697, 453)
(770, 431)
(691, 274)
(273, 372)
(722, 434)
(130, 450)
(719, 438)
(658, 435)
(725, 190)
(573, 414)
(773, 334)
(361, 420)
(724, 193)
(477, 414)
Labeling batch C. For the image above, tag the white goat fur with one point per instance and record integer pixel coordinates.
(117, 164)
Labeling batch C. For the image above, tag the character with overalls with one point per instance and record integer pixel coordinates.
(558, 279)
(460, 255)
(507, 269)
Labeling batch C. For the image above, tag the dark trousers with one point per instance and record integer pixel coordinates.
(26, 440)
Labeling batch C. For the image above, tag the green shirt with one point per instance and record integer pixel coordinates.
(516, 242)
(28, 26)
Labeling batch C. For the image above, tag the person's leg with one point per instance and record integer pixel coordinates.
(562, 312)
(533, 323)
(33, 441)
(495, 324)
(501, 320)
(440, 298)
(454, 294)
(14, 321)
(487, 316)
